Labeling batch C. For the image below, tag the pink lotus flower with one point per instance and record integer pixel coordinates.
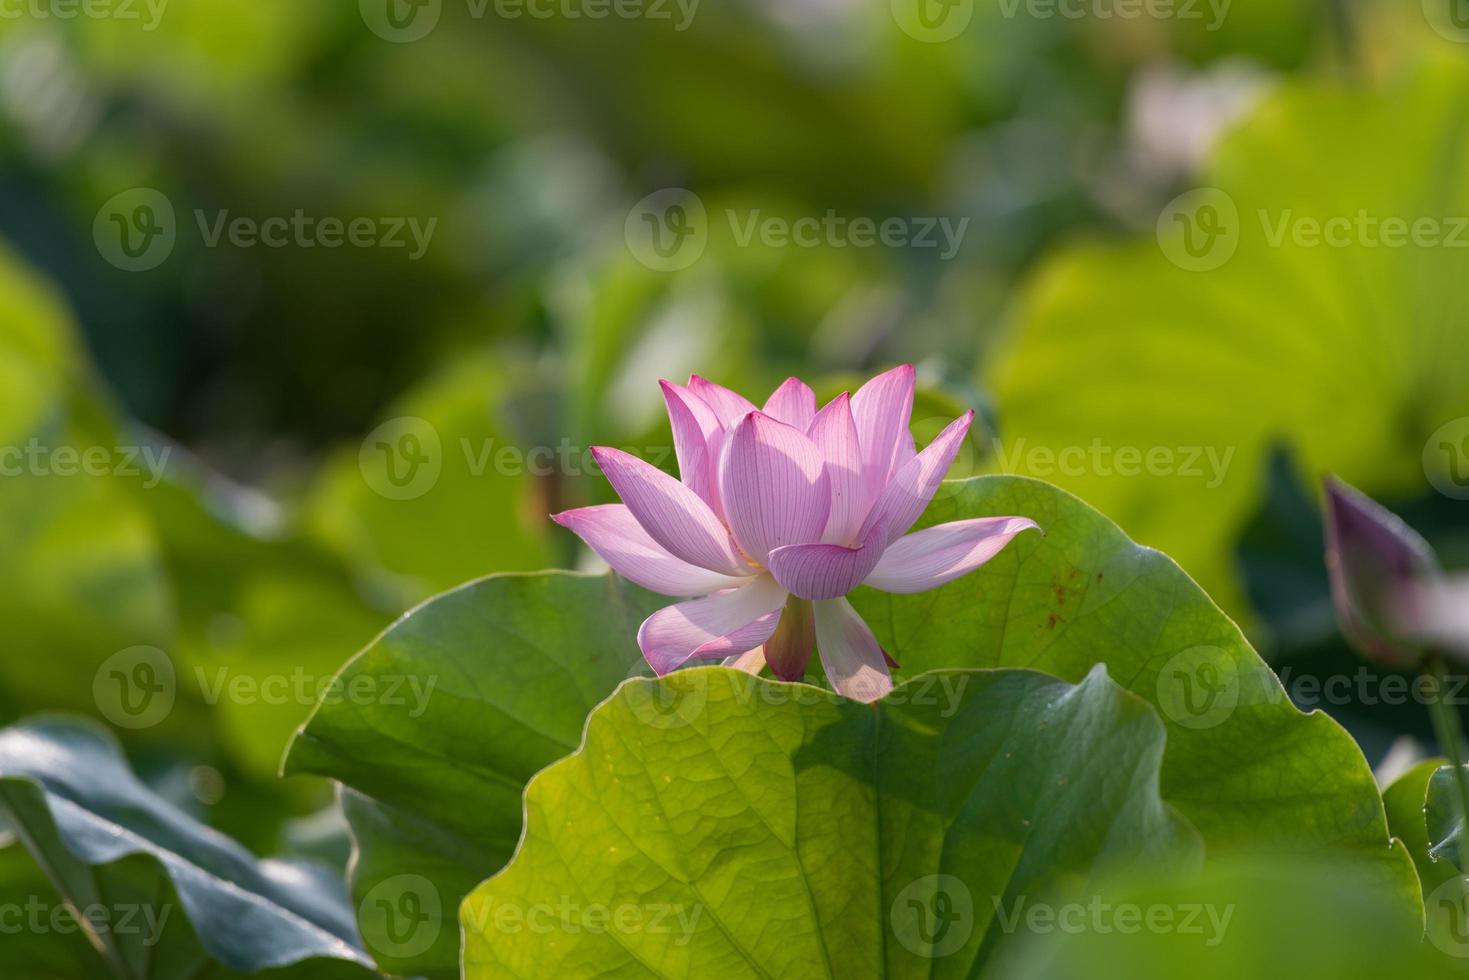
(780, 513)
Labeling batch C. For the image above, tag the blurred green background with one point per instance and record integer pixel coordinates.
(294, 437)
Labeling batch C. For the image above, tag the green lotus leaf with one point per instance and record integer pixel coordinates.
(717, 825)
(1243, 764)
(436, 727)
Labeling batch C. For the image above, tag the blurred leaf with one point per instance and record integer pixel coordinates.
(1281, 34)
(265, 617)
(623, 327)
(53, 947)
(226, 48)
(491, 683)
(1347, 356)
(264, 681)
(123, 558)
(73, 537)
(794, 833)
(41, 353)
(1243, 764)
(106, 841)
(439, 493)
(787, 117)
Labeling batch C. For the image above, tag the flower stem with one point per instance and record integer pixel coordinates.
(1446, 728)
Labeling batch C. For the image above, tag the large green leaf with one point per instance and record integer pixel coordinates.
(189, 894)
(489, 684)
(1278, 919)
(1243, 764)
(716, 825)
(1157, 392)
